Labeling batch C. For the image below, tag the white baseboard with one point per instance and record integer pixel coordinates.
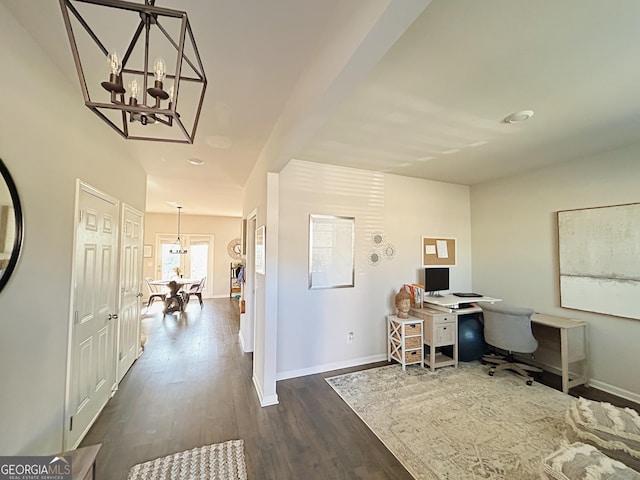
(264, 401)
(619, 392)
(327, 367)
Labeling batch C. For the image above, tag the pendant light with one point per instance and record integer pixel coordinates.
(139, 92)
(177, 246)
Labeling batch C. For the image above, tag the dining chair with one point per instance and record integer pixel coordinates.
(153, 292)
(195, 289)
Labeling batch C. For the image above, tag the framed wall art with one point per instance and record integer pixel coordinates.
(599, 256)
(260, 250)
(331, 251)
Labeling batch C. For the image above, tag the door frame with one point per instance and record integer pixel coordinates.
(186, 242)
(247, 320)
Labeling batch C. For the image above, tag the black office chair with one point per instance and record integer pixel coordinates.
(508, 328)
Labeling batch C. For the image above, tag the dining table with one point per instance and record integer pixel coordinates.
(184, 284)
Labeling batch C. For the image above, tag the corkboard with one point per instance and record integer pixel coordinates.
(438, 251)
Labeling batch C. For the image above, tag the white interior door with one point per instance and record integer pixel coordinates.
(128, 339)
(92, 366)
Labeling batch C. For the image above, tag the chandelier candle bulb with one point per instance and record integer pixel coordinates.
(114, 62)
(114, 85)
(159, 69)
(134, 89)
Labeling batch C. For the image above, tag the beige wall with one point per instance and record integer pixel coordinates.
(515, 250)
(313, 324)
(48, 139)
(221, 229)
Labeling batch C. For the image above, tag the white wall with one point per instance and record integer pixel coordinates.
(313, 324)
(47, 140)
(515, 250)
(221, 229)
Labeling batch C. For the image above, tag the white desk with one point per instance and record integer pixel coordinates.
(562, 342)
(451, 303)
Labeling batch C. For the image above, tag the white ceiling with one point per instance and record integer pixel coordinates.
(326, 81)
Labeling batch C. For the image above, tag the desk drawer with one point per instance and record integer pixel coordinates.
(444, 318)
(445, 334)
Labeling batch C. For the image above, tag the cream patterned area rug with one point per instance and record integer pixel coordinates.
(222, 461)
(458, 423)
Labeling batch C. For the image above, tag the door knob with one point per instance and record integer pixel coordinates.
(113, 316)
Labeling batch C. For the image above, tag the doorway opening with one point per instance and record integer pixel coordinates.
(197, 263)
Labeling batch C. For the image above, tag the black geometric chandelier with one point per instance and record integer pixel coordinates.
(140, 89)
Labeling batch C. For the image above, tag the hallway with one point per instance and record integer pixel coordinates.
(192, 387)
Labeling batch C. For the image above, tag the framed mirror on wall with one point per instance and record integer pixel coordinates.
(10, 225)
(331, 251)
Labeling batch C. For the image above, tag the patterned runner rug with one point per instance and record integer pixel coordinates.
(458, 423)
(222, 461)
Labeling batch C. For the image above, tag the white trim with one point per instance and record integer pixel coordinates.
(620, 392)
(327, 367)
(264, 401)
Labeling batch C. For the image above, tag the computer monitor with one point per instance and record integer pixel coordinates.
(436, 279)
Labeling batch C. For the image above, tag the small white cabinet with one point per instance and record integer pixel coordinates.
(440, 330)
(405, 341)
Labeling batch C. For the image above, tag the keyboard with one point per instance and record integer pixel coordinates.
(466, 294)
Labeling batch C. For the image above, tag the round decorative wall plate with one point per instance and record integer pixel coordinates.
(389, 251)
(377, 238)
(234, 248)
(374, 258)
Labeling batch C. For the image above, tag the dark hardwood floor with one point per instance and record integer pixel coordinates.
(192, 387)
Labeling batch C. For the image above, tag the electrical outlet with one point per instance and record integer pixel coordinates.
(350, 337)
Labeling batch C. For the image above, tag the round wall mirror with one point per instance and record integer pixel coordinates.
(10, 225)
(234, 248)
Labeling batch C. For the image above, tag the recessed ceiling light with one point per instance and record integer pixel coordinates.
(195, 161)
(518, 117)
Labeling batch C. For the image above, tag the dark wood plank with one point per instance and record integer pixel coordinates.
(193, 387)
